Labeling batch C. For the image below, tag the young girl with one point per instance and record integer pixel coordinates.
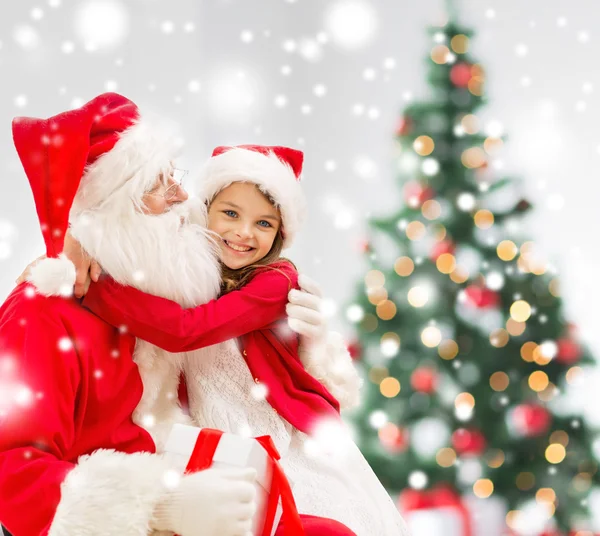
(259, 386)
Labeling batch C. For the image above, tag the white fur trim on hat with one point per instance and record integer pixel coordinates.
(273, 176)
(144, 151)
(111, 492)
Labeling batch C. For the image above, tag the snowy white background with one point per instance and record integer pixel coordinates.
(329, 77)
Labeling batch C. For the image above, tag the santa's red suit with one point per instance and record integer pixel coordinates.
(74, 387)
(72, 461)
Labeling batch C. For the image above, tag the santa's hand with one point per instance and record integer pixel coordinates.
(214, 502)
(25, 273)
(304, 311)
(87, 269)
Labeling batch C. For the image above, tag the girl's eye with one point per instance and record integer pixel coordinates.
(231, 213)
(264, 223)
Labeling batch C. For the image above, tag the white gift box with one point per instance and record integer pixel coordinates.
(232, 451)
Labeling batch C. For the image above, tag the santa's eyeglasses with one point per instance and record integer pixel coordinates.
(177, 175)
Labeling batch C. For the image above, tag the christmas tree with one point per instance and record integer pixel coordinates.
(462, 333)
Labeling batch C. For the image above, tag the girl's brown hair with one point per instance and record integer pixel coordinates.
(236, 279)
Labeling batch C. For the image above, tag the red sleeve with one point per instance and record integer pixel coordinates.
(38, 385)
(167, 325)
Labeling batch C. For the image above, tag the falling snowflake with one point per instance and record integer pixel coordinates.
(247, 36)
(369, 74)
(232, 94)
(194, 86)
(289, 45)
(359, 109)
(259, 391)
(37, 13)
(365, 167)
(351, 23)
(101, 24)
(320, 90)
(280, 101)
(26, 36)
(355, 313)
(417, 480)
(310, 50)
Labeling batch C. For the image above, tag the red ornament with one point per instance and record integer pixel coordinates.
(482, 297)
(572, 329)
(523, 205)
(415, 194)
(364, 246)
(469, 442)
(460, 74)
(404, 126)
(444, 246)
(530, 420)
(569, 351)
(424, 380)
(393, 438)
(355, 350)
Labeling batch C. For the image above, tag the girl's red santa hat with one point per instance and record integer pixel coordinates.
(82, 158)
(275, 170)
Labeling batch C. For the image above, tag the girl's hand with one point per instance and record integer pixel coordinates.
(87, 269)
(304, 311)
(25, 273)
(324, 354)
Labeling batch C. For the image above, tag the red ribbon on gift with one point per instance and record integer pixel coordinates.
(202, 458)
(440, 497)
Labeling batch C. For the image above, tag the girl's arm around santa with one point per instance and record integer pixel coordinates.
(167, 325)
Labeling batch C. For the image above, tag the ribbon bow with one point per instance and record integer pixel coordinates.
(202, 458)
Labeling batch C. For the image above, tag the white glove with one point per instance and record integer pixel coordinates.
(304, 311)
(214, 502)
(323, 353)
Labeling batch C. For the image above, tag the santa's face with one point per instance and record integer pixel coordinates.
(156, 249)
(163, 195)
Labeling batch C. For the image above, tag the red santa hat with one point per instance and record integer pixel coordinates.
(79, 158)
(275, 170)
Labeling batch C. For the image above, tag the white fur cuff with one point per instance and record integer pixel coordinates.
(110, 492)
(330, 362)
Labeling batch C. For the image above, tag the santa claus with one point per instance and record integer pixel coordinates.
(88, 407)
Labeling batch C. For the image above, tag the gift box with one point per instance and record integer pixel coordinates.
(194, 449)
(435, 512)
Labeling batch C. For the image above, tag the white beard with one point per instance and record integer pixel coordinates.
(167, 256)
(156, 254)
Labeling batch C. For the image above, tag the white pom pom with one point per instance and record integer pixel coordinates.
(53, 277)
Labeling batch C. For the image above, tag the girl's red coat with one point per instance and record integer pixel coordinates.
(255, 314)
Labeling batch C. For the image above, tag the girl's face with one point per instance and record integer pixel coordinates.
(247, 223)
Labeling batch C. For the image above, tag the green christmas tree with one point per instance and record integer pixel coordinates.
(462, 333)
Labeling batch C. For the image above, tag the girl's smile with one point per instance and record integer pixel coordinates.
(238, 248)
(247, 223)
